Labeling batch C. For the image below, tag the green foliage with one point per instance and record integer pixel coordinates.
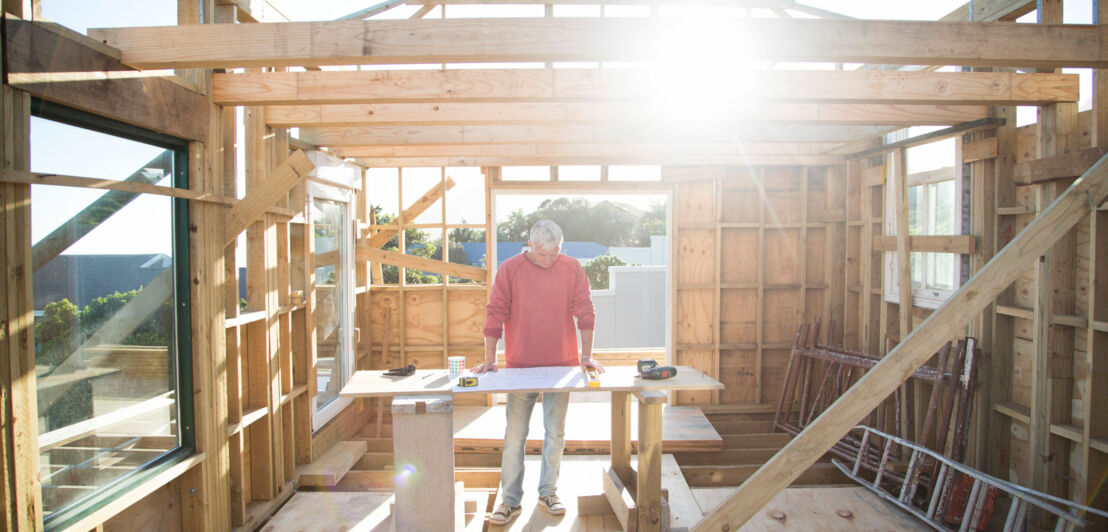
(606, 223)
(597, 270)
(56, 332)
(62, 328)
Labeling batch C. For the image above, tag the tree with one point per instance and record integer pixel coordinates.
(56, 332)
(597, 270)
(652, 222)
(418, 244)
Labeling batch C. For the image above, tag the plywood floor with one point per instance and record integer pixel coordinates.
(337, 511)
(807, 509)
(588, 427)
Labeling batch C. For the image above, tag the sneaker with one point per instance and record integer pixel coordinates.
(505, 512)
(553, 504)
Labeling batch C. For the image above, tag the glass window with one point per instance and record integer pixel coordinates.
(111, 310)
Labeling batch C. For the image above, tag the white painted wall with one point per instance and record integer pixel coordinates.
(632, 312)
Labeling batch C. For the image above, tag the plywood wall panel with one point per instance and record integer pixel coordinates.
(1023, 356)
(423, 316)
(467, 316)
(1019, 462)
(815, 241)
(696, 203)
(813, 308)
(782, 207)
(773, 373)
(738, 316)
(739, 260)
(782, 255)
(781, 315)
(384, 321)
(696, 258)
(694, 317)
(738, 373)
(703, 360)
(739, 205)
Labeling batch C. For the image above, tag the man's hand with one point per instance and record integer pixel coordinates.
(487, 366)
(589, 362)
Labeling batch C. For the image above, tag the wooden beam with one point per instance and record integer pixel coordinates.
(1007, 10)
(1055, 221)
(591, 149)
(640, 159)
(482, 113)
(645, 87)
(413, 211)
(257, 201)
(1067, 166)
(543, 39)
(65, 67)
(422, 264)
(961, 244)
(417, 135)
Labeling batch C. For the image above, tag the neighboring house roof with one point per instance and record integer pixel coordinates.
(582, 251)
(82, 278)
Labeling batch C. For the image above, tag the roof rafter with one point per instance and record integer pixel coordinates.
(607, 85)
(606, 39)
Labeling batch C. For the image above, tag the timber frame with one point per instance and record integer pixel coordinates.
(777, 217)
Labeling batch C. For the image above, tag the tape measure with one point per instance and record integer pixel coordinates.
(593, 377)
(467, 382)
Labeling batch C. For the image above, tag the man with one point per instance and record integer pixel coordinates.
(535, 298)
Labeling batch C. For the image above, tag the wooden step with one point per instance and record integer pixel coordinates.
(329, 469)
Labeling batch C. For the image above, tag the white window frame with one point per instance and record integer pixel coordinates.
(923, 296)
(337, 180)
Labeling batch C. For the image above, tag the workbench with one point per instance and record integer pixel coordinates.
(424, 401)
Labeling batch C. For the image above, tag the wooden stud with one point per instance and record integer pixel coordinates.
(904, 262)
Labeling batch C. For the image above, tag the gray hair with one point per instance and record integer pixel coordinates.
(545, 234)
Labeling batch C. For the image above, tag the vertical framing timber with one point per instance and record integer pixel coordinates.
(903, 257)
(304, 338)
(1052, 368)
(1095, 460)
(802, 247)
(717, 276)
(401, 272)
(979, 177)
(835, 249)
(852, 324)
(869, 319)
(445, 278)
(205, 489)
(263, 481)
(998, 384)
(759, 176)
(21, 486)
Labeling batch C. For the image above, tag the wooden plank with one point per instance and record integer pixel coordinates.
(579, 133)
(642, 157)
(440, 87)
(604, 39)
(989, 10)
(822, 508)
(979, 150)
(64, 67)
(621, 434)
(648, 492)
(20, 482)
(912, 351)
(294, 170)
(1066, 166)
(620, 500)
(961, 244)
(606, 150)
(412, 212)
(422, 264)
(516, 113)
(329, 468)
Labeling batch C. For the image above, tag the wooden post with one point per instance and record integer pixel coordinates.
(1085, 194)
(621, 435)
(21, 487)
(648, 492)
(423, 463)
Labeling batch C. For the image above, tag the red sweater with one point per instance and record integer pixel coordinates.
(536, 307)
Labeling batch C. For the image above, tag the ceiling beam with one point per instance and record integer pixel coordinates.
(584, 133)
(630, 160)
(608, 39)
(457, 113)
(666, 95)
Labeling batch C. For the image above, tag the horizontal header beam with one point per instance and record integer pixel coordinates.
(666, 97)
(608, 39)
(415, 135)
(478, 113)
(630, 160)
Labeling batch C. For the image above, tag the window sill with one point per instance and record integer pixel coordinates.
(120, 504)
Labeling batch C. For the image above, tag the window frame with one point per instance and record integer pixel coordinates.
(319, 188)
(104, 495)
(924, 296)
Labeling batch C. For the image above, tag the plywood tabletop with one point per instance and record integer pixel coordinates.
(546, 379)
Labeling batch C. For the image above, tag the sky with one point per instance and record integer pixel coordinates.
(64, 150)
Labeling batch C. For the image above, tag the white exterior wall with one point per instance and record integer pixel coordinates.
(632, 313)
(652, 256)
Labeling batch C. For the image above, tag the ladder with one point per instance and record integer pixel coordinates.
(946, 506)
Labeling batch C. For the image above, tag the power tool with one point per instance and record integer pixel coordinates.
(402, 372)
(646, 364)
(658, 373)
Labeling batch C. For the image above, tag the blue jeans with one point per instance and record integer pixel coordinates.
(520, 405)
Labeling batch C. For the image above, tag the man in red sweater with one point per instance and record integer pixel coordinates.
(535, 298)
